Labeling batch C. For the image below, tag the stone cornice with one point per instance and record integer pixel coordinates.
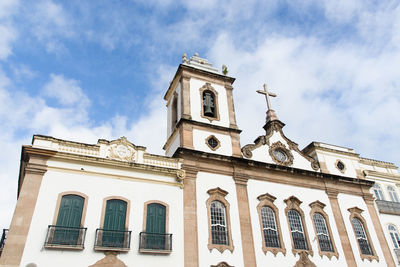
(260, 166)
(382, 174)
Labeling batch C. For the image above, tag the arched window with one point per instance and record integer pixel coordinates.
(219, 233)
(218, 223)
(113, 233)
(378, 192)
(208, 104)
(361, 237)
(296, 228)
(322, 233)
(392, 194)
(271, 236)
(155, 226)
(394, 234)
(67, 229)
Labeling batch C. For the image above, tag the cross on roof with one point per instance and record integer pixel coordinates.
(267, 95)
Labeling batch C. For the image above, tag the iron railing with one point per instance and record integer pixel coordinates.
(112, 240)
(154, 242)
(66, 237)
(3, 240)
(388, 207)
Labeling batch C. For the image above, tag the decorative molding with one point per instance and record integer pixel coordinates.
(338, 161)
(268, 200)
(304, 261)
(293, 203)
(122, 149)
(355, 212)
(216, 139)
(218, 194)
(279, 146)
(110, 260)
(207, 87)
(246, 150)
(318, 207)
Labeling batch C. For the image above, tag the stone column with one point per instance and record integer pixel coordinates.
(246, 231)
(344, 237)
(21, 221)
(369, 200)
(185, 96)
(191, 250)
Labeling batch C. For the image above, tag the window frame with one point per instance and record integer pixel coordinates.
(218, 194)
(377, 188)
(355, 212)
(396, 231)
(394, 197)
(145, 214)
(267, 200)
(293, 203)
(318, 207)
(207, 87)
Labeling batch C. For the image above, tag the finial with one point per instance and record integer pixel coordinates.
(270, 112)
(196, 54)
(184, 58)
(224, 69)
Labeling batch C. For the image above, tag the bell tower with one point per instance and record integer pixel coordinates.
(201, 114)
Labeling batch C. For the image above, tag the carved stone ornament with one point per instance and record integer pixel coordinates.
(304, 261)
(122, 149)
(180, 175)
(279, 147)
(110, 260)
(270, 128)
(222, 264)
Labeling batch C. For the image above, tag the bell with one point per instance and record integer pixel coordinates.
(208, 111)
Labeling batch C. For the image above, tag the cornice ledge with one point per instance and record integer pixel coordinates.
(381, 174)
(35, 168)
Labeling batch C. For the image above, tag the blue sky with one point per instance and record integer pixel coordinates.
(85, 70)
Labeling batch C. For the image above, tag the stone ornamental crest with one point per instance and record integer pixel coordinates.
(122, 149)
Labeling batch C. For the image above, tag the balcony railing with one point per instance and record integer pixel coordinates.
(155, 243)
(65, 237)
(3, 240)
(397, 252)
(388, 207)
(112, 240)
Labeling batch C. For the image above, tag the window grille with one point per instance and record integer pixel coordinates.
(394, 235)
(219, 232)
(393, 194)
(322, 233)
(271, 236)
(361, 237)
(296, 228)
(378, 192)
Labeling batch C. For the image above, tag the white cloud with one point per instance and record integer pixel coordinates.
(66, 91)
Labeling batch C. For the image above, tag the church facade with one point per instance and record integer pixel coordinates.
(210, 201)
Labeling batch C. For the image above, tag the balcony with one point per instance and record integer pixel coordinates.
(388, 207)
(3, 240)
(113, 240)
(397, 252)
(154, 243)
(60, 237)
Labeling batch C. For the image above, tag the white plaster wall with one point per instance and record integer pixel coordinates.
(307, 196)
(261, 153)
(195, 103)
(350, 163)
(97, 188)
(204, 182)
(349, 201)
(199, 142)
(174, 145)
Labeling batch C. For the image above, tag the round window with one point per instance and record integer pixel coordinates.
(280, 155)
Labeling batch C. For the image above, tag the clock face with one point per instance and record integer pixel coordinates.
(280, 155)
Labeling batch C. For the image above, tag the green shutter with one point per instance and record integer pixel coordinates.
(69, 215)
(155, 226)
(114, 220)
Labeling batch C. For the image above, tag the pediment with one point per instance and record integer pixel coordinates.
(275, 148)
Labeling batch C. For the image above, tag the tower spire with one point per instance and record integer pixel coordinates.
(271, 115)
